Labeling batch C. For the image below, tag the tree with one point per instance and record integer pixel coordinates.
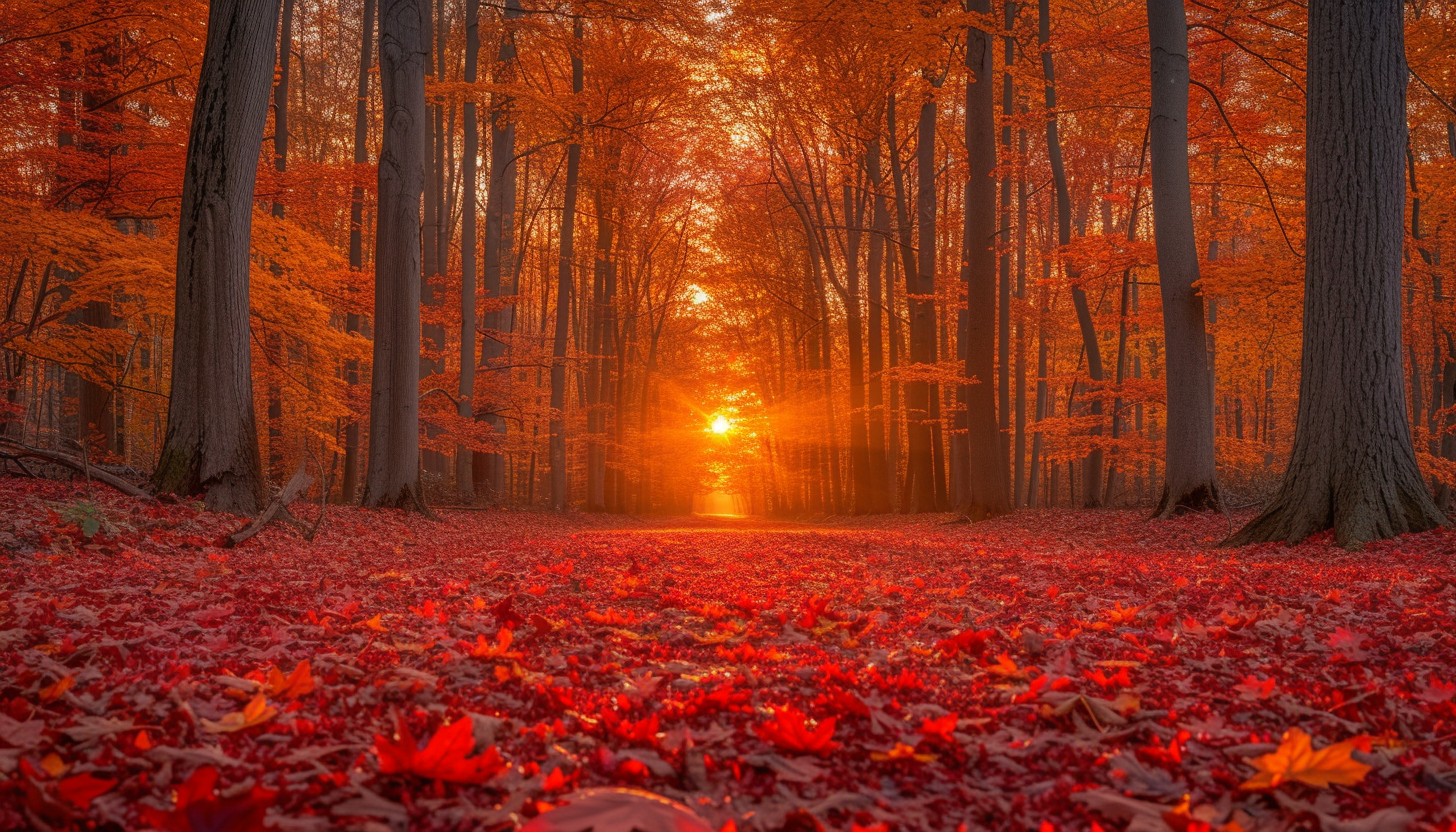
(211, 447)
(563, 289)
(350, 484)
(1092, 465)
(393, 476)
(1189, 479)
(464, 477)
(986, 479)
(1353, 466)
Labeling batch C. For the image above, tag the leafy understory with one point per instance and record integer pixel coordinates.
(1048, 671)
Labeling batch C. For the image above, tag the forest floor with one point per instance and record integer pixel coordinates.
(1055, 670)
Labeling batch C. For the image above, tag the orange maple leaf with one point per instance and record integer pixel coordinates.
(298, 683)
(1296, 760)
(446, 757)
(256, 712)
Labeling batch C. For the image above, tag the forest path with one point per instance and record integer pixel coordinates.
(903, 671)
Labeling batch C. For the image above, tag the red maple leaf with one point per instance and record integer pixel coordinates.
(198, 808)
(970, 642)
(446, 756)
(790, 730)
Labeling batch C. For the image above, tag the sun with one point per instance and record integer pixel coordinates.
(721, 424)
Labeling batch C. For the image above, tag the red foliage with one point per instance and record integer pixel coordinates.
(1160, 679)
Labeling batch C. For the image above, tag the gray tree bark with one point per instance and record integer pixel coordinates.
(393, 477)
(986, 474)
(211, 445)
(1353, 467)
(350, 483)
(1190, 482)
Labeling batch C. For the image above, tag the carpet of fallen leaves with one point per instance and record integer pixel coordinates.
(1052, 671)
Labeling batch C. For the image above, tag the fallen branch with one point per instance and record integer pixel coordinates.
(277, 509)
(15, 450)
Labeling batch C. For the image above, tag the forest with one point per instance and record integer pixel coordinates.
(728, 415)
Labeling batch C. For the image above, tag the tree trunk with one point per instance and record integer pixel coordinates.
(1189, 480)
(1092, 469)
(464, 458)
(859, 447)
(211, 445)
(879, 464)
(350, 484)
(986, 475)
(1018, 456)
(498, 254)
(1003, 300)
(563, 295)
(1353, 466)
(393, 477)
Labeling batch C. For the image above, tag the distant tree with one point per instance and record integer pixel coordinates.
(393, 476)
(563, 291)
(986, 493)
(211, 445)
(1189, 479)
(1353, 467)
(350, 484)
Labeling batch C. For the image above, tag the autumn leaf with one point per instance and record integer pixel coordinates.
(970, 642)
(298, 683)
(256, 712)
(901, 752)
(198, 808)
(790, 730)
(52, 692)
(446, 757)
(1296, 760)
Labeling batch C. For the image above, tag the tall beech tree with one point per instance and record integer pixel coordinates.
(211, 447)
(986, 476)
(1190, 482)
(393, 477)
(1353, 466)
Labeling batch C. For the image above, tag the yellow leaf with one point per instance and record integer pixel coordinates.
(1296, 760)
(256, 712)
(298, 683)
(376, 623)
(53, 765)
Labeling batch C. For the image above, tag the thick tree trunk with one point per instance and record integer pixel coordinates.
(211, 445)
(1353, 466)
(563, 296)
(1092, 467)
(464, 458)
(350, 485)
(393, 478)
(986, 475)
(1190, 482)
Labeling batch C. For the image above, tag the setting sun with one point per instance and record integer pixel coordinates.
(721, 424)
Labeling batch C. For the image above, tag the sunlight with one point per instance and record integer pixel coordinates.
(721, 424)
(699, 297)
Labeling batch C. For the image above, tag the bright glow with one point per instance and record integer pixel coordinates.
(721, 424)
(699, 297)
